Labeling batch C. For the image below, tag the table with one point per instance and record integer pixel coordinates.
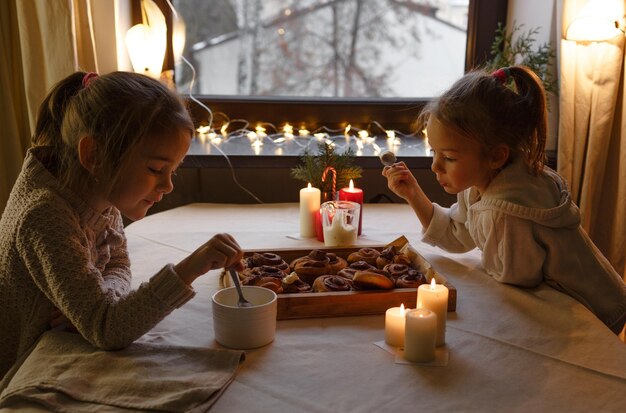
(510, 349)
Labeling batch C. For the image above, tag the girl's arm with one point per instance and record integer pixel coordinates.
(58, 256)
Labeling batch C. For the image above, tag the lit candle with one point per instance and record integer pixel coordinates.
(420, 335)
(309, 206)
(434, 297)
(355, 195)
(394, 326)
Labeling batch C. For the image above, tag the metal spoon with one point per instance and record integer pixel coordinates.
(387, 158)
(242, 301)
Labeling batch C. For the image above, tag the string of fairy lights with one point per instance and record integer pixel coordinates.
(265, 133)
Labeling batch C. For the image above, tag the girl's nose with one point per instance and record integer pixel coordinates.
(166, 185)
(436, 165)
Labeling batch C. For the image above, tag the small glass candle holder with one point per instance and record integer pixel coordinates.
(340, 223)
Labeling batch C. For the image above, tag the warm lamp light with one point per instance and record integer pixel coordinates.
(596, 22)
(591, 29)
(146, 42)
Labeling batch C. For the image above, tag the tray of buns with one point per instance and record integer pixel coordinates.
(333, 282)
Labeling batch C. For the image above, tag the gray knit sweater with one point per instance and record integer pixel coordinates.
(55, 251)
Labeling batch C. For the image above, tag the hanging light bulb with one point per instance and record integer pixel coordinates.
(146, 42)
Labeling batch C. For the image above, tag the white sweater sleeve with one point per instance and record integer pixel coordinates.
(447, 228)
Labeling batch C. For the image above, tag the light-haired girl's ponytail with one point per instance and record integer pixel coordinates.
(52, 110)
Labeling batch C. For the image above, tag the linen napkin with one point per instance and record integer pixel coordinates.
(64, 373)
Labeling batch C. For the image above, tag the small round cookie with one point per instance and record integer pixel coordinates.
(374, 279)
(368, 255)
(329, 282)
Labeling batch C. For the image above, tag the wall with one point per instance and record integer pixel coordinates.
(539, 14)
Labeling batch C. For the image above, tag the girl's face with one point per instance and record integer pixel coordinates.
(147, 176)
(458, 162)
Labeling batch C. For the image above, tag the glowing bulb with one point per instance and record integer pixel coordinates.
(363, 134)
(303, 132)
(390, 134)
(203, 129)
(224, 129)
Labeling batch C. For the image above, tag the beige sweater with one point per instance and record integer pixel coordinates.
(55, 251)
(529, 231)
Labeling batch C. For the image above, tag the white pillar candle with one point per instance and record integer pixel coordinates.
(434, 297)
(394, 326)
(420, 335)
(309, 206)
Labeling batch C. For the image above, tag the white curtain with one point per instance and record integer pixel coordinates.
(592, 135)
(41, 42)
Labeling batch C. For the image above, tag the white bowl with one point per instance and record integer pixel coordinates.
(244, 327)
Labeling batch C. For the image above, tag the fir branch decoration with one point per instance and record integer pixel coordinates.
(313, 166)
(506, 52)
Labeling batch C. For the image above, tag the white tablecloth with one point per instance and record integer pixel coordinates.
(510, 349)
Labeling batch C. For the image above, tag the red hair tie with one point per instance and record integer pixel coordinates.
(502, 74)
(89, 76)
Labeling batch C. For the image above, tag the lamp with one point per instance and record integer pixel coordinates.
(146, 42)
(596, 22)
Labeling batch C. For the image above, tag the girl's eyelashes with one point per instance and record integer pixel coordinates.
(158, 171)
(443, 156)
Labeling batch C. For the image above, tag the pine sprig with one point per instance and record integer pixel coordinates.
(505, 51)
(313, 166)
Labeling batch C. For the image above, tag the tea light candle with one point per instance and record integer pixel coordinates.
(420, 335)
(434, 297)
(309, 206)
(355, 195)
(394, 326)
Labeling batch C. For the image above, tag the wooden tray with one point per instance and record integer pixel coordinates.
(348, 303)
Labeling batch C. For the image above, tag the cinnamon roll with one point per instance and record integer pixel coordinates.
(259, 259)
(368, 255)
(327, 283)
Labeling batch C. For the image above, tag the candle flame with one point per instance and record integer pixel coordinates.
(402, 309)
(351, 185)
(309, 186)
(433, 284)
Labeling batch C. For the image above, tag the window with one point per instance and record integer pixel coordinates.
(267, 63)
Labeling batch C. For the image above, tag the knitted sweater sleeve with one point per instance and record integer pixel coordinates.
(117, 275)
(62, 263)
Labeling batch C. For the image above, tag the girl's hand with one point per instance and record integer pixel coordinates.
(400, 180)
(220, 251)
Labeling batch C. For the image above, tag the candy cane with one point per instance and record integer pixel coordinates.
(334, 182)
